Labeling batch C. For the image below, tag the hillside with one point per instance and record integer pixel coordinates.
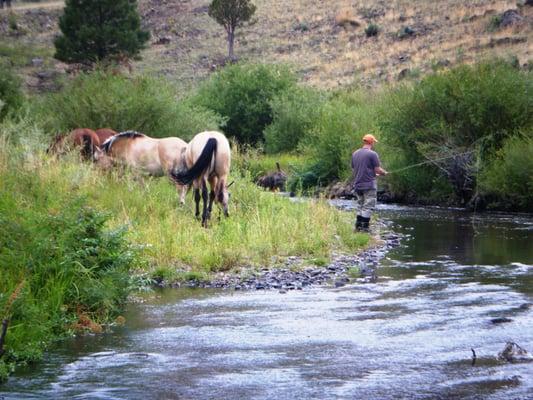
(324, 41)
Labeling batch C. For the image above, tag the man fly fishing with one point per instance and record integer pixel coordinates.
(365, 167)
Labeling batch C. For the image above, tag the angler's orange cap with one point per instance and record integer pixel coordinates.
(370, 139)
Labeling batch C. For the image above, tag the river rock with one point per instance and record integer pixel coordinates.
(500, 320)
(510, 18)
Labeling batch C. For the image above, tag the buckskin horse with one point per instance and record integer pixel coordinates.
(206, 158)
(156, 157)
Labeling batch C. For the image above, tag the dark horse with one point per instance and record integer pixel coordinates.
(85, 139)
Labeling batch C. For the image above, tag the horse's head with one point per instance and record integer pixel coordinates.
(223, 198)
(101, 159)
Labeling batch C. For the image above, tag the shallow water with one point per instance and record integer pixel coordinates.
(407, 336)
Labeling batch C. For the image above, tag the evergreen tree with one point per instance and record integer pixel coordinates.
(231, 14)
(96, 30)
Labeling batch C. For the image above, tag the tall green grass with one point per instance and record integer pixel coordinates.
(58, 244)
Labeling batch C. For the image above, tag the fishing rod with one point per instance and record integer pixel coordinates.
(428, 162)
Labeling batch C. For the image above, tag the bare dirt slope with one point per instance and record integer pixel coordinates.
(324, 40)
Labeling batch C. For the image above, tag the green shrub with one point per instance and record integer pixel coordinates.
(294, 113)
(508, 175)
(11, 97)
(372, 30)
(144, 104)
(468, 108)
(12, 22)
(59, 246)
(494, 23)
(337, 133)
(242, 93)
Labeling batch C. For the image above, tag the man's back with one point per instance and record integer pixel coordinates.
(364, 163)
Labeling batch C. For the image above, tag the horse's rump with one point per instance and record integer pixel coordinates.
(202, 163)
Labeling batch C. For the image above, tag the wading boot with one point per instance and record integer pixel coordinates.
(358, 223)
(365, 222)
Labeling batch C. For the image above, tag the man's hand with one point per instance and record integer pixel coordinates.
(380, 171)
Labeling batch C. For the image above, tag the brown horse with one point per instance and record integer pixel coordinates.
(156, 157)
(104, 134)
(85, 138)
(207, 158)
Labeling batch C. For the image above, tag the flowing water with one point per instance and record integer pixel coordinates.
(407, 336)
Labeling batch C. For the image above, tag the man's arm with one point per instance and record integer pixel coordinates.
(380, 171)
(377, 169)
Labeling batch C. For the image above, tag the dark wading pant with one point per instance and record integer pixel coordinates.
(8, 3)
(366, 202)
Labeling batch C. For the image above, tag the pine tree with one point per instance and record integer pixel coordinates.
(97, 30)
(231, 14)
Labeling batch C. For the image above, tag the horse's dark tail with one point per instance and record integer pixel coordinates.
(88, 147)
(203, 162)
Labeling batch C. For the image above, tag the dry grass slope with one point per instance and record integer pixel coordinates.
(324, 40)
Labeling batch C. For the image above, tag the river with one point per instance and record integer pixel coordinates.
(407, 335)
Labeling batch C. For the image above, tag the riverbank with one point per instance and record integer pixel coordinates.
(81, 239)
(295, 273)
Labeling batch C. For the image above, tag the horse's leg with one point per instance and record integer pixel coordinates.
(213, 193)
(197, 200)
(205, 215)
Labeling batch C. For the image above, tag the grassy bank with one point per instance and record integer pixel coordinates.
(72, 237)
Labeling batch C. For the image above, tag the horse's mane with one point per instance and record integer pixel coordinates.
(106, 146)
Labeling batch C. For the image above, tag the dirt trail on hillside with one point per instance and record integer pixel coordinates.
(32, 6)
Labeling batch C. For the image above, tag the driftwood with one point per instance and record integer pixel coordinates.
(513, 352)
(274, 180)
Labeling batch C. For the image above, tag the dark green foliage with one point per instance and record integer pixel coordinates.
(468, 108)
(494, 23)
(509, 174)
(405, 32)
(143, 104)
(336, 134)
(372, 30)
(231, 14)
(295, 113)
(97, 30)
(69, 262)
(242, 93)
(11, 97)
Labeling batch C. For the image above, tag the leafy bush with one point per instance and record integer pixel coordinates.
(58, 251)
(508, 175)
(494, 23)
(466, 109)
(294, 114)
(242, 93)
(143, 104)
(11, 97)
(337, 133)
(372, 30)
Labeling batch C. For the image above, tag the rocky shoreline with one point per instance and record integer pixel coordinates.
(343, 269)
